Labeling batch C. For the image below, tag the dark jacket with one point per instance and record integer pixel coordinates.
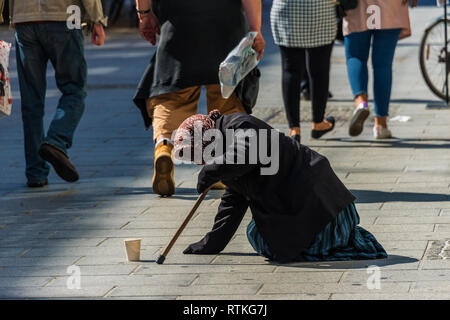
(290, 208)
(196, 36)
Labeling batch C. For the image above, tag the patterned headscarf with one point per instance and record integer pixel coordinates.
(187, 129)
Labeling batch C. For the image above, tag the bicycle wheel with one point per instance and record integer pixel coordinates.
(433, 62)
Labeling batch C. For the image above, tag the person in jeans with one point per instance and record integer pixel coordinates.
(42, 35)
(196, 36)
(363, 29)
(305, 29)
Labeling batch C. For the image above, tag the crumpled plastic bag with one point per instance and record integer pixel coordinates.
(239, 62)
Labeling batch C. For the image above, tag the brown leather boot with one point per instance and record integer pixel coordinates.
(163, 181)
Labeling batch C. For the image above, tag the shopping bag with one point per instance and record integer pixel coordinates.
(5, 82)
(238, 64)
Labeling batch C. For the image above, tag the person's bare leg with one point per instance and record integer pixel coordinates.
(295, 131)
(360, 99)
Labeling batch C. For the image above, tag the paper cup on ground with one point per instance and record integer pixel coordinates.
(133, 249)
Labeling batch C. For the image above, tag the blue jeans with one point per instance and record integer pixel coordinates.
(36, 44)
(357, 48)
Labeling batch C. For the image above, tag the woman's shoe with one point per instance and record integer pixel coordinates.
(317, 134)
(380, 132)
(357, 121)
(297, 138)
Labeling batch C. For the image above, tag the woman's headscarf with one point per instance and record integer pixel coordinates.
(185, 140)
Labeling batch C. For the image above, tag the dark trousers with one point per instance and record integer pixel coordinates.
(293, 71)
(36, 45)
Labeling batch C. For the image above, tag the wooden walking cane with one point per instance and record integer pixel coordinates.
(163, 256)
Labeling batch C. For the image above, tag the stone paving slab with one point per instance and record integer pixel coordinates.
(401, 287)
(309, 296)
(232, 290)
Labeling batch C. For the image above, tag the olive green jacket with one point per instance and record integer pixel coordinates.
(53, 10)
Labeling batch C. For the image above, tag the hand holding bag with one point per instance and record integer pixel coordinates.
(5, 82)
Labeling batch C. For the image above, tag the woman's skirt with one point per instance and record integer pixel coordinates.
(342, 239)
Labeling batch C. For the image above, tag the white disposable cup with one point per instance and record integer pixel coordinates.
(133, 249)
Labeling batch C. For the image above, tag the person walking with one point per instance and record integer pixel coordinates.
(376, 24)
(305, 29)
(196, 36)
(42, 35)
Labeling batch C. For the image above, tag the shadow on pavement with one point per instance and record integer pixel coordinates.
(370, 196)
(354, 264)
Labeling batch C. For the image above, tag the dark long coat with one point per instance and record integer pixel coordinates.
(290, 208)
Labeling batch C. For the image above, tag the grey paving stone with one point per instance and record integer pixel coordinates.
(431, 287)
(328, 288)
(17, 282)
(399, 275)
(433, 212)
(436, 265)
(51, 271)
(29, 262)
(128, 280)
(281, 278)
(399, 227)
(203, 269)
(33, 292)
(390, 296)
(235, 289)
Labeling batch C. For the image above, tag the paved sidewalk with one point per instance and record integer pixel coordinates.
(402, 185)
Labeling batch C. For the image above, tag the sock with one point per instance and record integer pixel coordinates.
(362, 105)
(162, 140)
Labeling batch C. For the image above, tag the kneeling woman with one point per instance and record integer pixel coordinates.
(301, 212)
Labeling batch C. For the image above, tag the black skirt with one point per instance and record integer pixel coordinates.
(196, 36)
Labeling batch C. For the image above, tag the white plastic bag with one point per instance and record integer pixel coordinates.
(239, 62)
(5, 82)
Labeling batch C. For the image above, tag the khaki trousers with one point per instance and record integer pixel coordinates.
(171, 109)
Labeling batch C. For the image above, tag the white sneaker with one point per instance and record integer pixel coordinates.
(381, 133)
(360, 115)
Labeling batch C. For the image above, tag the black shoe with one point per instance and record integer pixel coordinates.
(357, 121)
(317, 134)
(37, 184)
(297, 138)
(60, 162)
